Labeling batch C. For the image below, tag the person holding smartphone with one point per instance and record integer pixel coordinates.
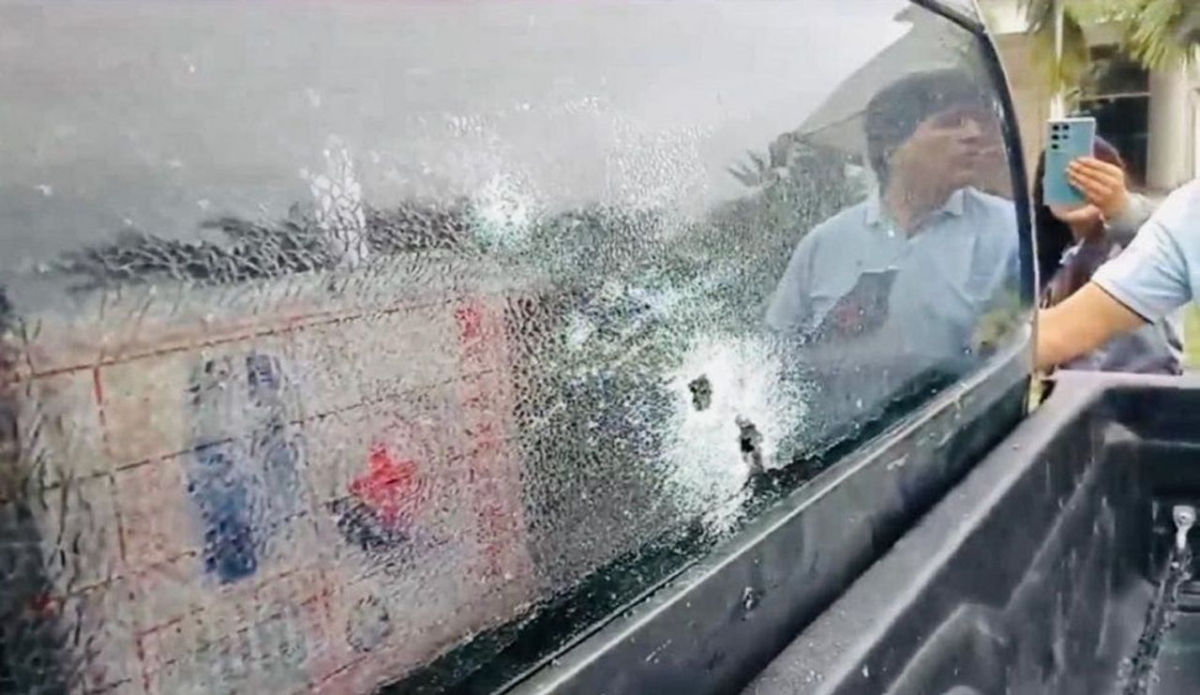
(1103, 181)
(1073, 241)
(1155, 276)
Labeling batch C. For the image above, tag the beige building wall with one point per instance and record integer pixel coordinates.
(1031, 95)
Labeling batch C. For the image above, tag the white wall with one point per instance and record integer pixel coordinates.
(1195, 149)
(1172, 130)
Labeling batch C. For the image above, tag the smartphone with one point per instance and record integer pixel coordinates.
(1069, 139)
(862, 310)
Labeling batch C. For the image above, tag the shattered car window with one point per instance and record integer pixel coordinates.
(342, 343)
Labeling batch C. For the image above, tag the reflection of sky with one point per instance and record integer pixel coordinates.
(157, 115)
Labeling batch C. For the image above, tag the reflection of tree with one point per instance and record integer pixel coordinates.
(787, 149)
(595, 241)
(255, 250)
(796, 185)
(1159, 34)
(804, 184)
(756, 172)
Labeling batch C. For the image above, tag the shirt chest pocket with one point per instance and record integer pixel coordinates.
(855, 308)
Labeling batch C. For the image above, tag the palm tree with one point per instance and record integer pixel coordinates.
(1159, 34)
(1066, 63)
(1164, 34)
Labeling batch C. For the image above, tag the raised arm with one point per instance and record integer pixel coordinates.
(1146, 282)
(1080, 324)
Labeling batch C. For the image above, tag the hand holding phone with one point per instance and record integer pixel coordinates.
(1069, 139)
(1102, 183)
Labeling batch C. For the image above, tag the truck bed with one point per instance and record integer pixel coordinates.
(1051, 569)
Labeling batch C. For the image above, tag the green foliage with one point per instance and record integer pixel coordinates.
(1159, 34)
(1164, 34)
(1067, 74)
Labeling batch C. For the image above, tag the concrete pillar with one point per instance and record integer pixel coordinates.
(1058, 103)
(1170, 123)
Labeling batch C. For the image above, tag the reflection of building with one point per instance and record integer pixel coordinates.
(1153, 117)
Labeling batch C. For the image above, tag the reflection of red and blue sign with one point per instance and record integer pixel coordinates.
(383, 502)
(244, 488)
(389, 487)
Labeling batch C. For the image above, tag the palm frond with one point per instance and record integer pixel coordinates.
(1159, 34)
(1165, 33)
(753, 174)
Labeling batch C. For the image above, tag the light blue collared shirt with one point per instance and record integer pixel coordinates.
(947, 273)
(1160, 270)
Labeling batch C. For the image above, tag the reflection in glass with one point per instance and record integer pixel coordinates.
(896, 286)
(369, 340)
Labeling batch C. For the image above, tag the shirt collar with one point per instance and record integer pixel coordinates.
(953, 206)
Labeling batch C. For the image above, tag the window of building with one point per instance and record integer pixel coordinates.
(1117, 94)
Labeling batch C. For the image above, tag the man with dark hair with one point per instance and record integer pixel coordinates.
(904, 277)
(896, 113)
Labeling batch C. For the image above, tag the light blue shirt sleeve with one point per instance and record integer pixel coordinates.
(1151, 276)
(789, 308)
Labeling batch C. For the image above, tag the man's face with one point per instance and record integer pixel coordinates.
(958, 147)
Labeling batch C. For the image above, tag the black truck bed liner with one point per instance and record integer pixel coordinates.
(1043, 572)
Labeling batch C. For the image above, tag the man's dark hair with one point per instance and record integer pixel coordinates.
(894, 113)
